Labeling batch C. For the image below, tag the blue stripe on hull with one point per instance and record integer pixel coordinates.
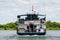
(32, 33)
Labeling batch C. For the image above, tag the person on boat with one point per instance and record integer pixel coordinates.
(31, 27)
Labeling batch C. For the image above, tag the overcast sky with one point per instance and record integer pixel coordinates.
(9, 9)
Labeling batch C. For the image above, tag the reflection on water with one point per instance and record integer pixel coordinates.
(11, 35)
(32, 38)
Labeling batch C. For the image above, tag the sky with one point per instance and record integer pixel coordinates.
(9, 9)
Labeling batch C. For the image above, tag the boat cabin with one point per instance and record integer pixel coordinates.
(31, 24)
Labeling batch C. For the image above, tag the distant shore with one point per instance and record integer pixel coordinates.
(13, 26)
(52, 25)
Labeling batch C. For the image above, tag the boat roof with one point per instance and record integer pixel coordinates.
(32, 14)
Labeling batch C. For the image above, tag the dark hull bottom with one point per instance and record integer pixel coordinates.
(34, 33)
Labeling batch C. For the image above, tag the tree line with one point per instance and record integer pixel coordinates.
(13, 26)
(53, 25)
(9, 26)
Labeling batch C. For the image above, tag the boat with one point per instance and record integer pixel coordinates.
(31, 24)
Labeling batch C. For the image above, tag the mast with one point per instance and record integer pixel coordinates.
(32, 8)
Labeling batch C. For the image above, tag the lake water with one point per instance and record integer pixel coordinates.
(11, 35)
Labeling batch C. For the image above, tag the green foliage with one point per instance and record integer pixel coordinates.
(9, 26)
(52, 25)
(13, 26)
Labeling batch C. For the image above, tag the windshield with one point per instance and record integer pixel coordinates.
(32, 17)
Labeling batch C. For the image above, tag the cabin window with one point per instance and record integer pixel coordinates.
(32, 17)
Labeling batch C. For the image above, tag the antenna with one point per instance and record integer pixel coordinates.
(32, 8)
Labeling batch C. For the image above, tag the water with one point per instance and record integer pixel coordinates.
(11, 35)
